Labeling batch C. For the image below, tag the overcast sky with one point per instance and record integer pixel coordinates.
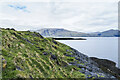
(79, 15)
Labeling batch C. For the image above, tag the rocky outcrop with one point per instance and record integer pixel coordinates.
(90, 67)
(107, 66)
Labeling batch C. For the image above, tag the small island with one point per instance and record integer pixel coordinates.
(69, 38)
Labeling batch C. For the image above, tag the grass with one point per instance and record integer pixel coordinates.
(25, 49)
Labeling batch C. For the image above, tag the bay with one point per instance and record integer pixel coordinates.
(100, 47)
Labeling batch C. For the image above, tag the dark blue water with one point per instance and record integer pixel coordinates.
(101, 47)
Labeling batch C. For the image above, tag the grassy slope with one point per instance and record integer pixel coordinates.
(22, 53)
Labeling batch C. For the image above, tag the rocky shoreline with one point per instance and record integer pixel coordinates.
(91, 67)
(107, 66)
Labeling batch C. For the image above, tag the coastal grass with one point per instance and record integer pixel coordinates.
(27, 54)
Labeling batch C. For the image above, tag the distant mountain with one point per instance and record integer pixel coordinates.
(110, 33)
(60, 32)
(56, 32)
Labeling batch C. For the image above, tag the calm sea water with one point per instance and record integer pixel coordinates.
(101, 47)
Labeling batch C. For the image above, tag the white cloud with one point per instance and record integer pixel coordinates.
(79, 16)
(59, 0)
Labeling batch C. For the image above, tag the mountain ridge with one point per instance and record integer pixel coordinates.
(60, 32)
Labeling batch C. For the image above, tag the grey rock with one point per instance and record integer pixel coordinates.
(69, 55)
(80, 66)
(87, 73)
(54, 57)
(45, 53)
(18, 68)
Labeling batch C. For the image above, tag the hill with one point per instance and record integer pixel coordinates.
(55, 32)
(27, 54)
(109, 33)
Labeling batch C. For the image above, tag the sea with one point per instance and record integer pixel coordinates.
(100, 47)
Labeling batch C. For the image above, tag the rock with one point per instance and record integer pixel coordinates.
(54, 46)
(89, 68)
(69, 64)
(64, 64)
(27, 40)
(87, 73)
(112, 77)
(57, 62)
(77, 58)
(107, 66)
(94, 75)
(54, 57)
(80, 66)
(50, 53)
(31, 77)
(89, 77)
(18, 68)
(9, 45)
(54, 42)
(67, 50)
(37, 35)
(82, 71)
(104, 62)
(45, 53)
(69, 55)
(72, 63)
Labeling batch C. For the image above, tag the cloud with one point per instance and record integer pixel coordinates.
(59, 0)
(77, 16)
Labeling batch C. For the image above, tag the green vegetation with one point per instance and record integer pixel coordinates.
(27, 54)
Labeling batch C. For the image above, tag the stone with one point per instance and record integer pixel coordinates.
(54, 57)
(94, 75)
(77, 58)
(82, 71)
(80, 66)
(68, 55)
(45, 53)
(72, 63)
(87, 73)
(67, 50)
(54, 42)
(50, 53)
(18, 68)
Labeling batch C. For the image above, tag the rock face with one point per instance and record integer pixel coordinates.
(107, 66)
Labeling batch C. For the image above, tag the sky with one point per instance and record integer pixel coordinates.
(74, 15)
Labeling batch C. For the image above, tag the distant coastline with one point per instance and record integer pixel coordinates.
(69, 38)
